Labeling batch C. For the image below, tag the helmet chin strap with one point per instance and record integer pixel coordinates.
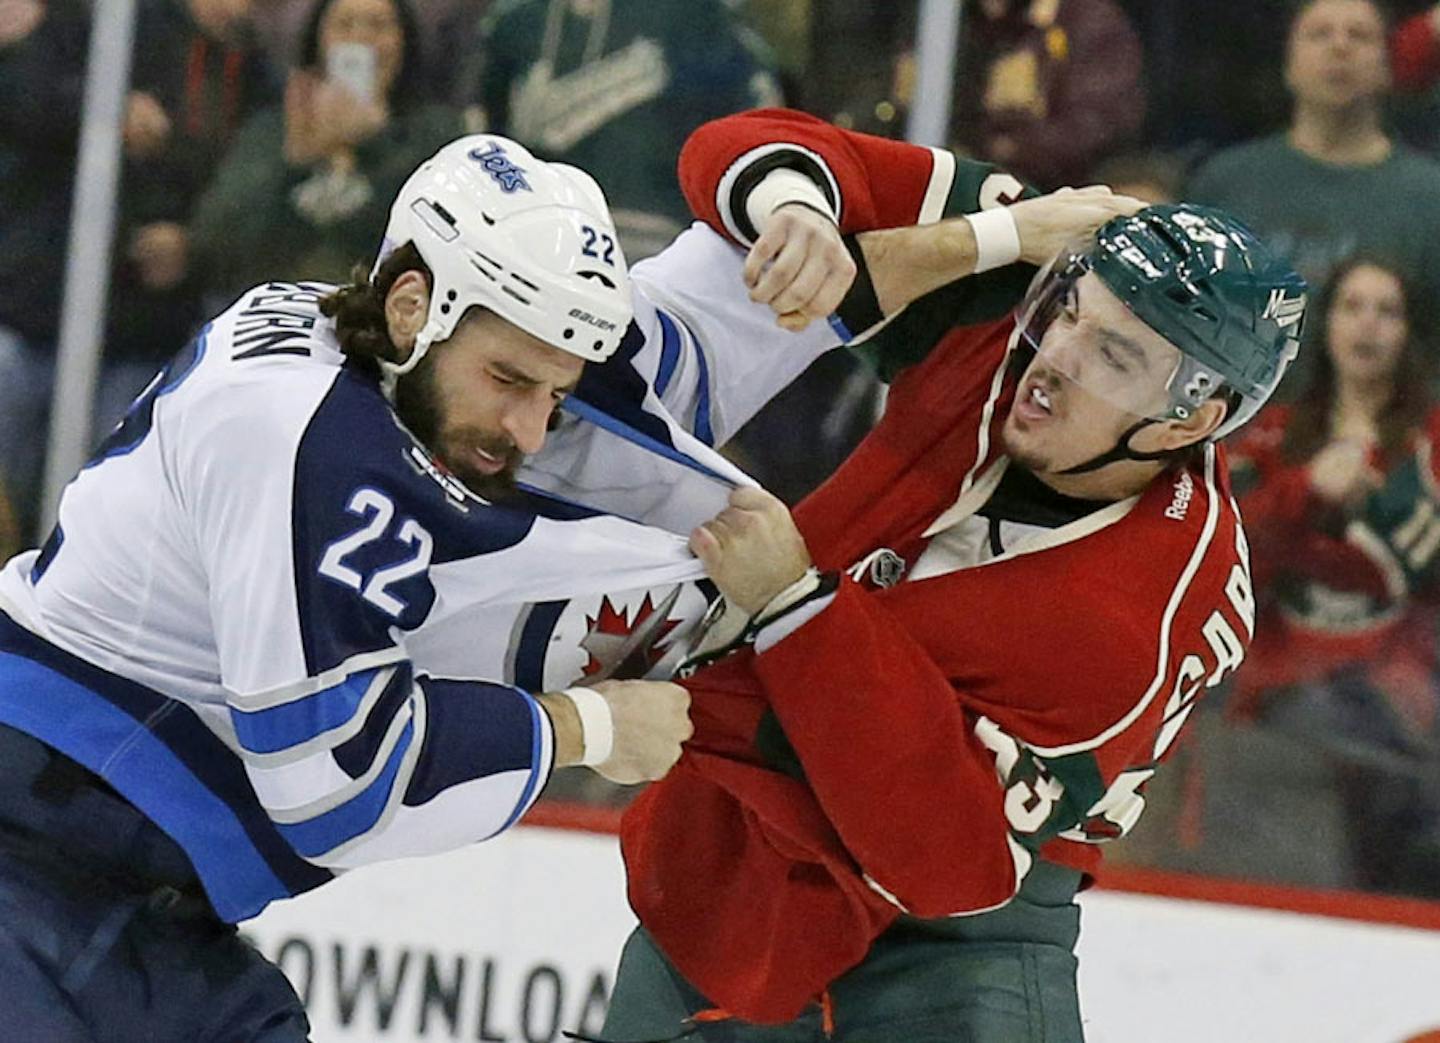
(1120, 451)
(391, 372)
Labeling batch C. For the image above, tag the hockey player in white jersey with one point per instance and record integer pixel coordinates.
(299, 610)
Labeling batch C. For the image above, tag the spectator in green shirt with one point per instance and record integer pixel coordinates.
(1335, 181)
(614, 87)
(305, 185)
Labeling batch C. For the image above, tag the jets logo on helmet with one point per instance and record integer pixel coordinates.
(510, 177)
(505, 231)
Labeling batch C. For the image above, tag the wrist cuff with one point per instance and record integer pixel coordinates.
(810, 587)
(997, 239)
(783, 186)
(785, 624)
(597, 726)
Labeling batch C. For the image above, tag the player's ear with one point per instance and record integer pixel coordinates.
(1199, 425)
(407, 307)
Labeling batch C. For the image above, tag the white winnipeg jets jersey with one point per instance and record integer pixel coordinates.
(268, 618)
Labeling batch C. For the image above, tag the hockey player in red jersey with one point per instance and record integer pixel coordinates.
(965, 655)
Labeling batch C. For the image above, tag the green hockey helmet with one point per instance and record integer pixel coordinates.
(1201, 280)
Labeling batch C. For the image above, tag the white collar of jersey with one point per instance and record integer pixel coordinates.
(970, 499)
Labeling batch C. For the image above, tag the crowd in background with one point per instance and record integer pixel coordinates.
(265, 139)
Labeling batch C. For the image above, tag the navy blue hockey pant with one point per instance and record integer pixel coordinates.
(105, 933)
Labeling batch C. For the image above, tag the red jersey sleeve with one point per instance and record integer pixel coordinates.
(869, 182)
(873, 764)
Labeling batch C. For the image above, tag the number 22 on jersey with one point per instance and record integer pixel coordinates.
(378, 511)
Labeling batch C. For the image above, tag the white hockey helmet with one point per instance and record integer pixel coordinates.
(531, 241)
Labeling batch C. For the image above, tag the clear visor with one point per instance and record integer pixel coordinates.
(1084, 337)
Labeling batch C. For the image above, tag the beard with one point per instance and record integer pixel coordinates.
(418, 405)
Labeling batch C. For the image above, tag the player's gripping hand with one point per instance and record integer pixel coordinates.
(1049, 223)
(651, 720)
(799, 266)
(647, 723)
(751, 549)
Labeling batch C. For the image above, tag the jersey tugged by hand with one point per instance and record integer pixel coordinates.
(751, 549)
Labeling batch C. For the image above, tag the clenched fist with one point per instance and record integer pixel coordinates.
(799, 266)
(650, 721)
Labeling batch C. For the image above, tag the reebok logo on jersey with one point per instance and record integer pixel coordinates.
(455, 493)
(1184, 493)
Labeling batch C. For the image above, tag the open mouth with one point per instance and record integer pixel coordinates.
(488, 463)
(1034, 403)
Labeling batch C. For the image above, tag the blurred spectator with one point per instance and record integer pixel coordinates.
(1152, 176)
(1047, 88)
(193, 79)
(197, 77)
(1335, 182)
(860, 73)
(1415, 61)
(1341, 506)
(305, 185)
(42, 79)
(446, 28)
(786, 28)
(42, 66)
(615, 86)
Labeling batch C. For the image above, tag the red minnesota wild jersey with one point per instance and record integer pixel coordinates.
(1341, 586)
(915, 748)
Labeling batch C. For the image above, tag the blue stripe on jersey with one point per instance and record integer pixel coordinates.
(618, 427)
(46, 557)
(473, 729)
(669, 352)
(527, 668)
(329, 830)
(841, 330)
(702, 429)
(533, 782)
(135, 425)
(290, 724)
(356, 755)
(159, 756)
(616, 388)
(550, 505)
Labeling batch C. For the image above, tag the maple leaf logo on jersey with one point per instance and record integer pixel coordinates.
(625, 647)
